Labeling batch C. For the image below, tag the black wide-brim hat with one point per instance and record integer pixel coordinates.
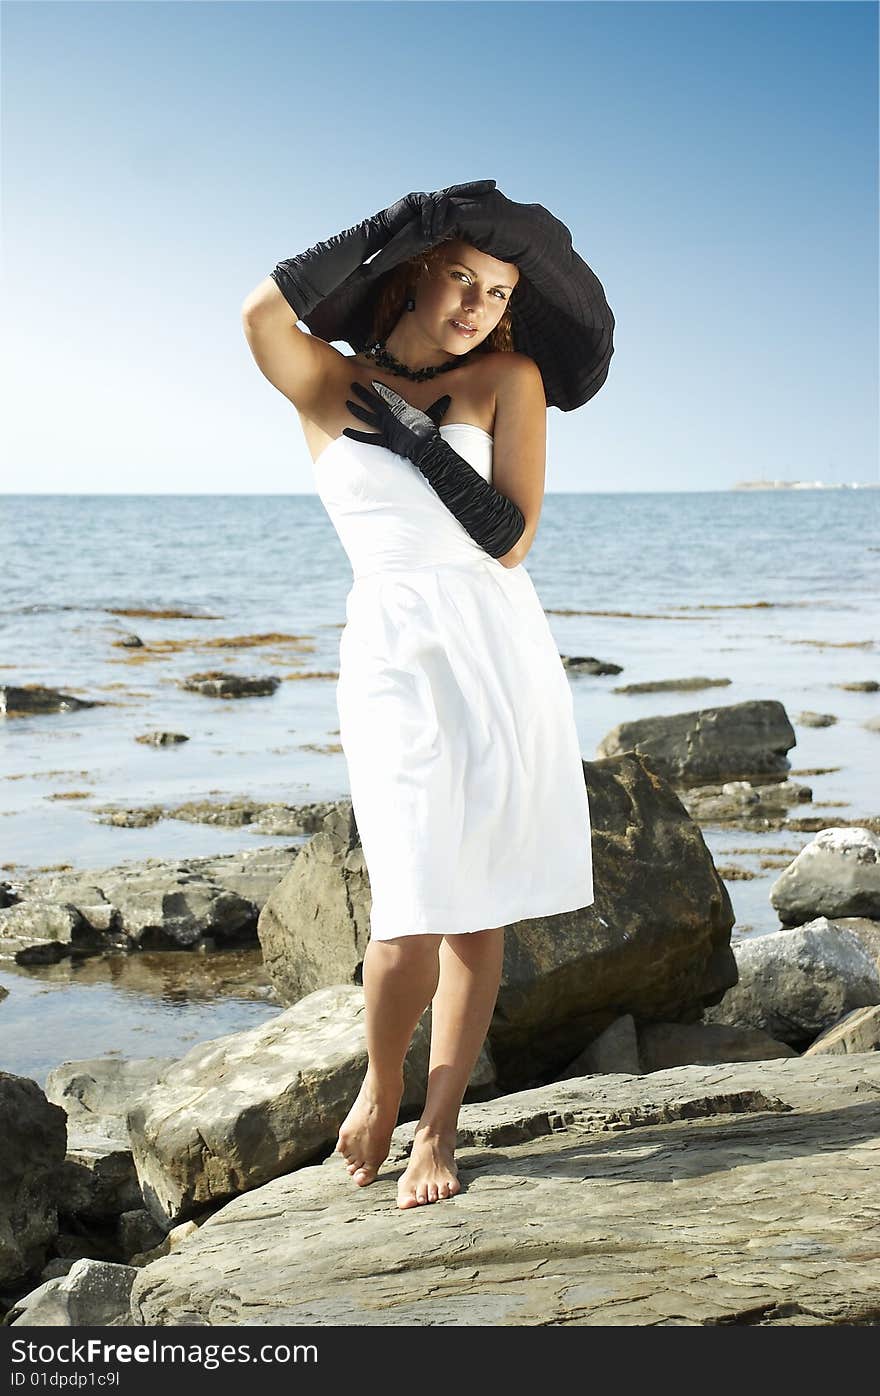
(558, 311)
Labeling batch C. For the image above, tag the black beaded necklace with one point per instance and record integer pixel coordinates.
(383, 357)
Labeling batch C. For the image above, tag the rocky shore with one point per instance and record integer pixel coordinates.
(664, 1127)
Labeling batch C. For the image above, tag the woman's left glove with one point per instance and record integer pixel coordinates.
(491, 519)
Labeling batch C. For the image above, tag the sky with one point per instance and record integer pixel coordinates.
(716, 163)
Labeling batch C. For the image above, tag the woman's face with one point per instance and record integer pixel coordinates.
(468, 287)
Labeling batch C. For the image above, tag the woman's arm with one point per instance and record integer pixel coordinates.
(519, 456)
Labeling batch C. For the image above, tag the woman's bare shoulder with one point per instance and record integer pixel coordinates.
(504, 366)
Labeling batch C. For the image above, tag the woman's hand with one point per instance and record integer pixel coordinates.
(403, 429)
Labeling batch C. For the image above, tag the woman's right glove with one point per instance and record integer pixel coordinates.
(307, 279)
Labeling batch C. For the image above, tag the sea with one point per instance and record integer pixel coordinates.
(775, 590)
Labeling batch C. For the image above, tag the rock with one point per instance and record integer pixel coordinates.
(665, 1045)
(586, 664)
(315, 925)
(93, 1293)
(872, 725)
(162, 738)
(614, 1050)
(101, 1089)
(119, 818)
(97, 1180)
(676, 1199)
(218, 684)
(655, 943)
(35, 698)
(33, 1136)
(858, 1031)
(865, 930)
(670, 685)
(860, 686)
(157, 904)
(837, 874)
(795, 983)
(231, 814)
(746, 805)
(171, 1242)
(252, 1105)
(743, 741)
(810, 719)
(137, 1231)
(42, 932)
(133, 642)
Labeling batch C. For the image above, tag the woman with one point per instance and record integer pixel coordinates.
(455, 712)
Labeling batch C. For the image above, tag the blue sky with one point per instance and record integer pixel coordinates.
(716, 163)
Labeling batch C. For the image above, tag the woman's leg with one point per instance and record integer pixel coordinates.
(470, 972)
(400, 978)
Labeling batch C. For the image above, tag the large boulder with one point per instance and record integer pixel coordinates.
(736, 1195)
(793, 984)
(655, 943)
(247, 1107)
(742, 741)
(837, 874)
(33, 1136)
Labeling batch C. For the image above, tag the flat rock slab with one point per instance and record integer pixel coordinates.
(745, 1193)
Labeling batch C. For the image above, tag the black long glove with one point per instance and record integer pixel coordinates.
(307, 279)
(491, 519)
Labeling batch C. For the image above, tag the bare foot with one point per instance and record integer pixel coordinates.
(365, 1133)
(432, 1173)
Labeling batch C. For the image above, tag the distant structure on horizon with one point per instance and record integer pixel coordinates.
(802, 485)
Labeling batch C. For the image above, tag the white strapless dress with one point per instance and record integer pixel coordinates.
(455, 711)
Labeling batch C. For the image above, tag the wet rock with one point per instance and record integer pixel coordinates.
(133, 642)
(586, 664)
(655, 943)
(836, 874)
(35, 698)
(162, 738)
(217, 684)
(860, 686)
(232, 814)
(42, 932)
(793, 984)
(252, 1105)
(127, 818)
(858, 1031)
(162, 904)
(33, 1137)
(811, 719)
(93, 1293)
(679, 1198)
(670, 685)
(742, 742)
(743, 804)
